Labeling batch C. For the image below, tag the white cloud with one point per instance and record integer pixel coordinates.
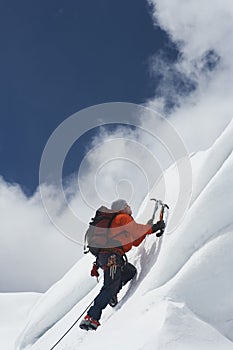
(203, 33)
(33, 254)
(196, 25)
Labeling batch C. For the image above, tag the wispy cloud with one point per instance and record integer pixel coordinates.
(33, 254)
(202, 103)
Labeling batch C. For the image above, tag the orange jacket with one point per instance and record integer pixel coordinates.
(127, 232)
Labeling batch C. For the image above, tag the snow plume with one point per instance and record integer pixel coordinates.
(33, 255)
(196, 91)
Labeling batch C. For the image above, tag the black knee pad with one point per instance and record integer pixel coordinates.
(129, 271)
(132, 269)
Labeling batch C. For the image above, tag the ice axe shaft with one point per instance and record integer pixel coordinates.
(155, 208)
(163, 206)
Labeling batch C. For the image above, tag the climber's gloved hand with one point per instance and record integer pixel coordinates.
(160, 225)
(94, 271)
(160, 233)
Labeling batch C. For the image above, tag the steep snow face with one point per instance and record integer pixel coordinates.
(182, 295)
(206, 285)
(206, 164)
(182, 329)
(210, 212)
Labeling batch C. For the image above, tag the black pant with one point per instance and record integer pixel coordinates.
(114, 279)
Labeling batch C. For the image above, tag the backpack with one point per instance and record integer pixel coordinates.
(96, 236)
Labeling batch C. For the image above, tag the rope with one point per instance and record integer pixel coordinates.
(71, 327)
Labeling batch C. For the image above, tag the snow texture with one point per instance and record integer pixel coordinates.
(181, 297)
(15, 308)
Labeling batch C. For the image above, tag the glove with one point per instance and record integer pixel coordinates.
(150, 222)
(160, 233)
(94, 271)
(160, 225)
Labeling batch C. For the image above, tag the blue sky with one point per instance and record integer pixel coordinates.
(58, 57)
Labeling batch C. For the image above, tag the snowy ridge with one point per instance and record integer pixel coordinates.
(15, 308)
(182, 295)
(215, 307)
(213, 160)
(41, 319)
(204, 220)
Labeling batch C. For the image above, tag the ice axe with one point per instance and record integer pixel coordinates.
(155, 208)
(161, 214)
(161, 217)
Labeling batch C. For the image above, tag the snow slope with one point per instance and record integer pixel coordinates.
(14, 310)
(182, 295)
(57, 301)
